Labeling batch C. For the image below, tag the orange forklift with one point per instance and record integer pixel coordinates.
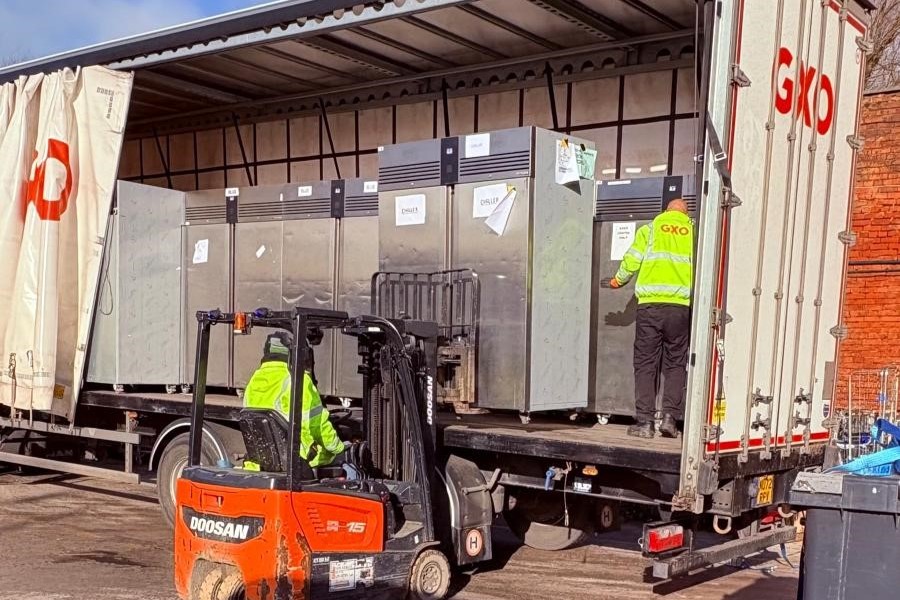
(391, 521)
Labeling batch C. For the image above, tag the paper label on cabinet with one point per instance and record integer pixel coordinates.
(201, 252)
(477, 145)
(409, 210)
(232, 192)
(500, 217)
(566, 165)
(260, 251)
(370, 187)
(486, 198)
(622, 238)
(304, 191)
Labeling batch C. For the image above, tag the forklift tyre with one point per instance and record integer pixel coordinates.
(172, 462)
(538, 520)
(430, 576)
(221, 583)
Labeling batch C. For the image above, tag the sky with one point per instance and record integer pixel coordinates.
(37, 28)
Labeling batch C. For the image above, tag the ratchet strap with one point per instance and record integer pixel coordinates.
(719, 156)
(878, 464)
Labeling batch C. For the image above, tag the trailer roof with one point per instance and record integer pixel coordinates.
(292, 56)
(285, 56)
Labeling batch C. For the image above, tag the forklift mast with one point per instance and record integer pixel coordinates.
(398, 365)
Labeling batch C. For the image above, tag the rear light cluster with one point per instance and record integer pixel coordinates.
(665, 538)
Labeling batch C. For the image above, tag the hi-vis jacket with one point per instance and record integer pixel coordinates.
(662, 255)
(270, 387)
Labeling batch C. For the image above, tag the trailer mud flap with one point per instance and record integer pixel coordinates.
(691, 561)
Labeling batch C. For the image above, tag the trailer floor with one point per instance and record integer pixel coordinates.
(544, 437)
(224, 406)
(65, 538)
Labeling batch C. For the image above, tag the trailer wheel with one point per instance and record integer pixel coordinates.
(172, 462)
(539, 520)
(221, 583)
(430, 576)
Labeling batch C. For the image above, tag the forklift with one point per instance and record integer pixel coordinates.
(392, 520)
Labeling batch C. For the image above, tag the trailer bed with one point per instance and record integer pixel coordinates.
(562, 440)
(218, 406)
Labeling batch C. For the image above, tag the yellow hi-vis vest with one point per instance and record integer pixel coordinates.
(662, 255)
(270, 387)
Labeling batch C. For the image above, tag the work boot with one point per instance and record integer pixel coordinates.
(641, 429)
(668, 428)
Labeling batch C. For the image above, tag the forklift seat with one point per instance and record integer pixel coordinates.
(265, 433)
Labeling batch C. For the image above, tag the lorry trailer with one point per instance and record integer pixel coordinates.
(749, 109)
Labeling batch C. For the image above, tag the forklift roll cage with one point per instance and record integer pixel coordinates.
(403, 338)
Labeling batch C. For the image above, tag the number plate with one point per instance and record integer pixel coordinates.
(765, 491)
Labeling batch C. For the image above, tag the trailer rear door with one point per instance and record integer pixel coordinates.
(796, 80)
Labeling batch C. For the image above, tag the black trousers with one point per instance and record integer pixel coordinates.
(662, 337)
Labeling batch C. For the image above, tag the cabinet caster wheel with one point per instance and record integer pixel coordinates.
(603, 419)
(525, 418)
(118, 388)
(171, 389)
(185, 389)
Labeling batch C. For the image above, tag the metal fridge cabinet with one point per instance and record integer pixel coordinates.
(436, 199)
(208, 242)
(136, 338)
(312, 244)
(622, 207)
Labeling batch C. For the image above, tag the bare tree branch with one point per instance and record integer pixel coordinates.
(883, 66)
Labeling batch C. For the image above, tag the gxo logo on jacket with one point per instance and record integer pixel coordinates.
(222, 529)
(675, 229)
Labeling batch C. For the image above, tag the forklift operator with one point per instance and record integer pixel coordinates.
(661, 255)
(270, 388)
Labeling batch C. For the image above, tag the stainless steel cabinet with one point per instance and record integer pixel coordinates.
(491, 204)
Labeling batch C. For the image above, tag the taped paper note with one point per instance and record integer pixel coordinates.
(500, 217)
(201, 252)
(566, 165)
(587, 160)
(622, 238)
(486, 198)
(409, 210)
(260, 251)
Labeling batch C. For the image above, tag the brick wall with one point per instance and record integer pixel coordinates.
(872, 296)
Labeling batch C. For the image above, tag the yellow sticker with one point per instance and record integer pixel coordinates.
(59, 391)
(719, 410)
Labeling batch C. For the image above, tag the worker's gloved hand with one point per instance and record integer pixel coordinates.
(611, 283)
(347, 445)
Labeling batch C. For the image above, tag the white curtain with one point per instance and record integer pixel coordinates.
(60, 139)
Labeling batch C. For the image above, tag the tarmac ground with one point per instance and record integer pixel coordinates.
(65, 537)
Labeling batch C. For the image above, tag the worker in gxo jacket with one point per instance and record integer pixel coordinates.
(270, 387)
(661, 255)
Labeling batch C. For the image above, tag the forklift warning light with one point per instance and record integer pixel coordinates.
(663, 539)
(241, 324)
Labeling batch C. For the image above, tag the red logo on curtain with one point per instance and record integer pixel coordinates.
(50, 209)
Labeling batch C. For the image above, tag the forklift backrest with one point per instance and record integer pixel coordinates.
(265, 434)
(449, 298)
